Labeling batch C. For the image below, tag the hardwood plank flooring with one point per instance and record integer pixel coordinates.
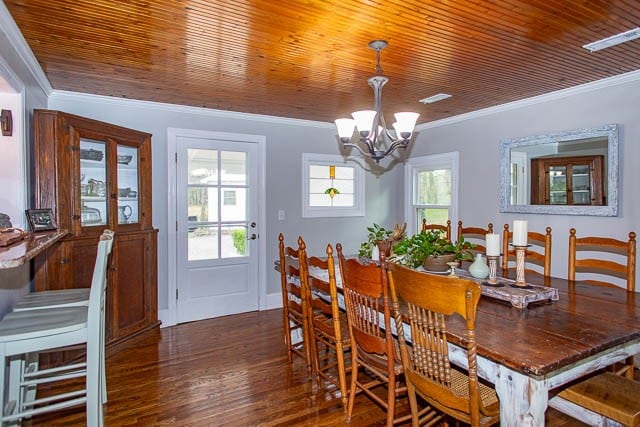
(229, 371)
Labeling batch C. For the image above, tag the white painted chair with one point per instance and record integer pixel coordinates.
(59, 298)
(51, 329)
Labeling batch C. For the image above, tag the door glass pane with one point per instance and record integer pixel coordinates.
(202, 203)
(203, 166)
(128, 205)
(558, 185)
(434, 187)
(234, 204)
(234, 241)
(202, 242)
(234, 167)
(93, 183)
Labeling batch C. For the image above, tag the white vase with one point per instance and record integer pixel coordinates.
(375, 253)
(479, 268)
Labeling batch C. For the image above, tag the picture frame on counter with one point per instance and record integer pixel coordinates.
(41, 219)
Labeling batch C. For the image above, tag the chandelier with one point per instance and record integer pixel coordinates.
(372, 129)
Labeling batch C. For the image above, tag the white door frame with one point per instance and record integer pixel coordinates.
(170, 318)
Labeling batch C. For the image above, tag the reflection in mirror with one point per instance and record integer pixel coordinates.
(569, 173)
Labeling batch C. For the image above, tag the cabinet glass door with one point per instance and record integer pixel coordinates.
(128, 208)
(93, 183)
(581, 184)
(558, 185)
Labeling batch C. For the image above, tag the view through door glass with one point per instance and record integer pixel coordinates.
(217, 204)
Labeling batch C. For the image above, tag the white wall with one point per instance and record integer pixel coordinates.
(12, 163)
(477, 140)
(286, 141)
(17, 71)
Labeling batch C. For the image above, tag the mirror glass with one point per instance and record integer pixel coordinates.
(567, 173)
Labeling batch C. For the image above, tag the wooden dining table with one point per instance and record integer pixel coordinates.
(528, 353)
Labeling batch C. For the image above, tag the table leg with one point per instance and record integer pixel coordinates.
(523, 400)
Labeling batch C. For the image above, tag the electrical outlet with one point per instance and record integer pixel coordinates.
(280, 215)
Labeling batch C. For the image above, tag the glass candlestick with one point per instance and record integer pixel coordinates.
(493, 267)
(520, 250)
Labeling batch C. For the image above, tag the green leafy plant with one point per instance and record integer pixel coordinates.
(239, 237)
(412, 251)
(375, 234)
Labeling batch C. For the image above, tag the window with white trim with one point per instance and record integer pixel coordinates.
(332, 187)
(432, 182)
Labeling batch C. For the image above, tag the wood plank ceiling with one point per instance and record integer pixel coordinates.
(309, 59)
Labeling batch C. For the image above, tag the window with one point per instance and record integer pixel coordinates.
(332, 187)
(432, 182)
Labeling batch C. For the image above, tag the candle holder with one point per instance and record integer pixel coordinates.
(520, 250)
(493, 267)
(453, 266)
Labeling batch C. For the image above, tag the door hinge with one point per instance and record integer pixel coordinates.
(176, 226)
(176, 293)
(176, 156)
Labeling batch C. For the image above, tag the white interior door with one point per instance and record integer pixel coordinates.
(217, 230)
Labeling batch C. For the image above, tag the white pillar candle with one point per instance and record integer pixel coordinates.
(493, 244)
(519, 233)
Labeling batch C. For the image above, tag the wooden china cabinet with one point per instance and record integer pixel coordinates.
(575, 180)
(95, 175)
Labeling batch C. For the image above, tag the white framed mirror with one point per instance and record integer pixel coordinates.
(565, 173)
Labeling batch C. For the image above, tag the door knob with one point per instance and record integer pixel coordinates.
(253, 236)
(252, 225)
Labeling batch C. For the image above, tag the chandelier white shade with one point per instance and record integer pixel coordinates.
(372, 132)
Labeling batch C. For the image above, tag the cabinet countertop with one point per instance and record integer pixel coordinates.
(31, 246)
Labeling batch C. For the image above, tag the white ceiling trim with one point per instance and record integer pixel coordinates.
(111, 100)
(551, 96)
(15, 37)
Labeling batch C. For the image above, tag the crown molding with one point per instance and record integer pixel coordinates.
(15, 37)
(631, 76)
(175, 108)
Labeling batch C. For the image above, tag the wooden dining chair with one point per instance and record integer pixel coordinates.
(475, 235)
(598, 259)
(539, 253)
(294, 303)
(329, 328)
(432, 301)
(445, 228)
(600, 398)
(608, 257)
(375, 357)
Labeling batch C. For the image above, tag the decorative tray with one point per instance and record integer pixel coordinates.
(9, 236)
(506, 290)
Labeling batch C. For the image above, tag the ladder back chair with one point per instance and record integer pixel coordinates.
(55, 329)
(432, 301)
(294, 302)
(541, 256)
(439, 227)
(328, 326)
(475, 235)
(598, 246)
(616, 250)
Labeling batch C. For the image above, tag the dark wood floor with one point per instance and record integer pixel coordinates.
(229, 371)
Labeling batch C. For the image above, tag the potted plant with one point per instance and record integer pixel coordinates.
(382, 239)
(431, 250)
(375, 234)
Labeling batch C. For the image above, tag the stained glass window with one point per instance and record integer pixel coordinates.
(331, 184)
